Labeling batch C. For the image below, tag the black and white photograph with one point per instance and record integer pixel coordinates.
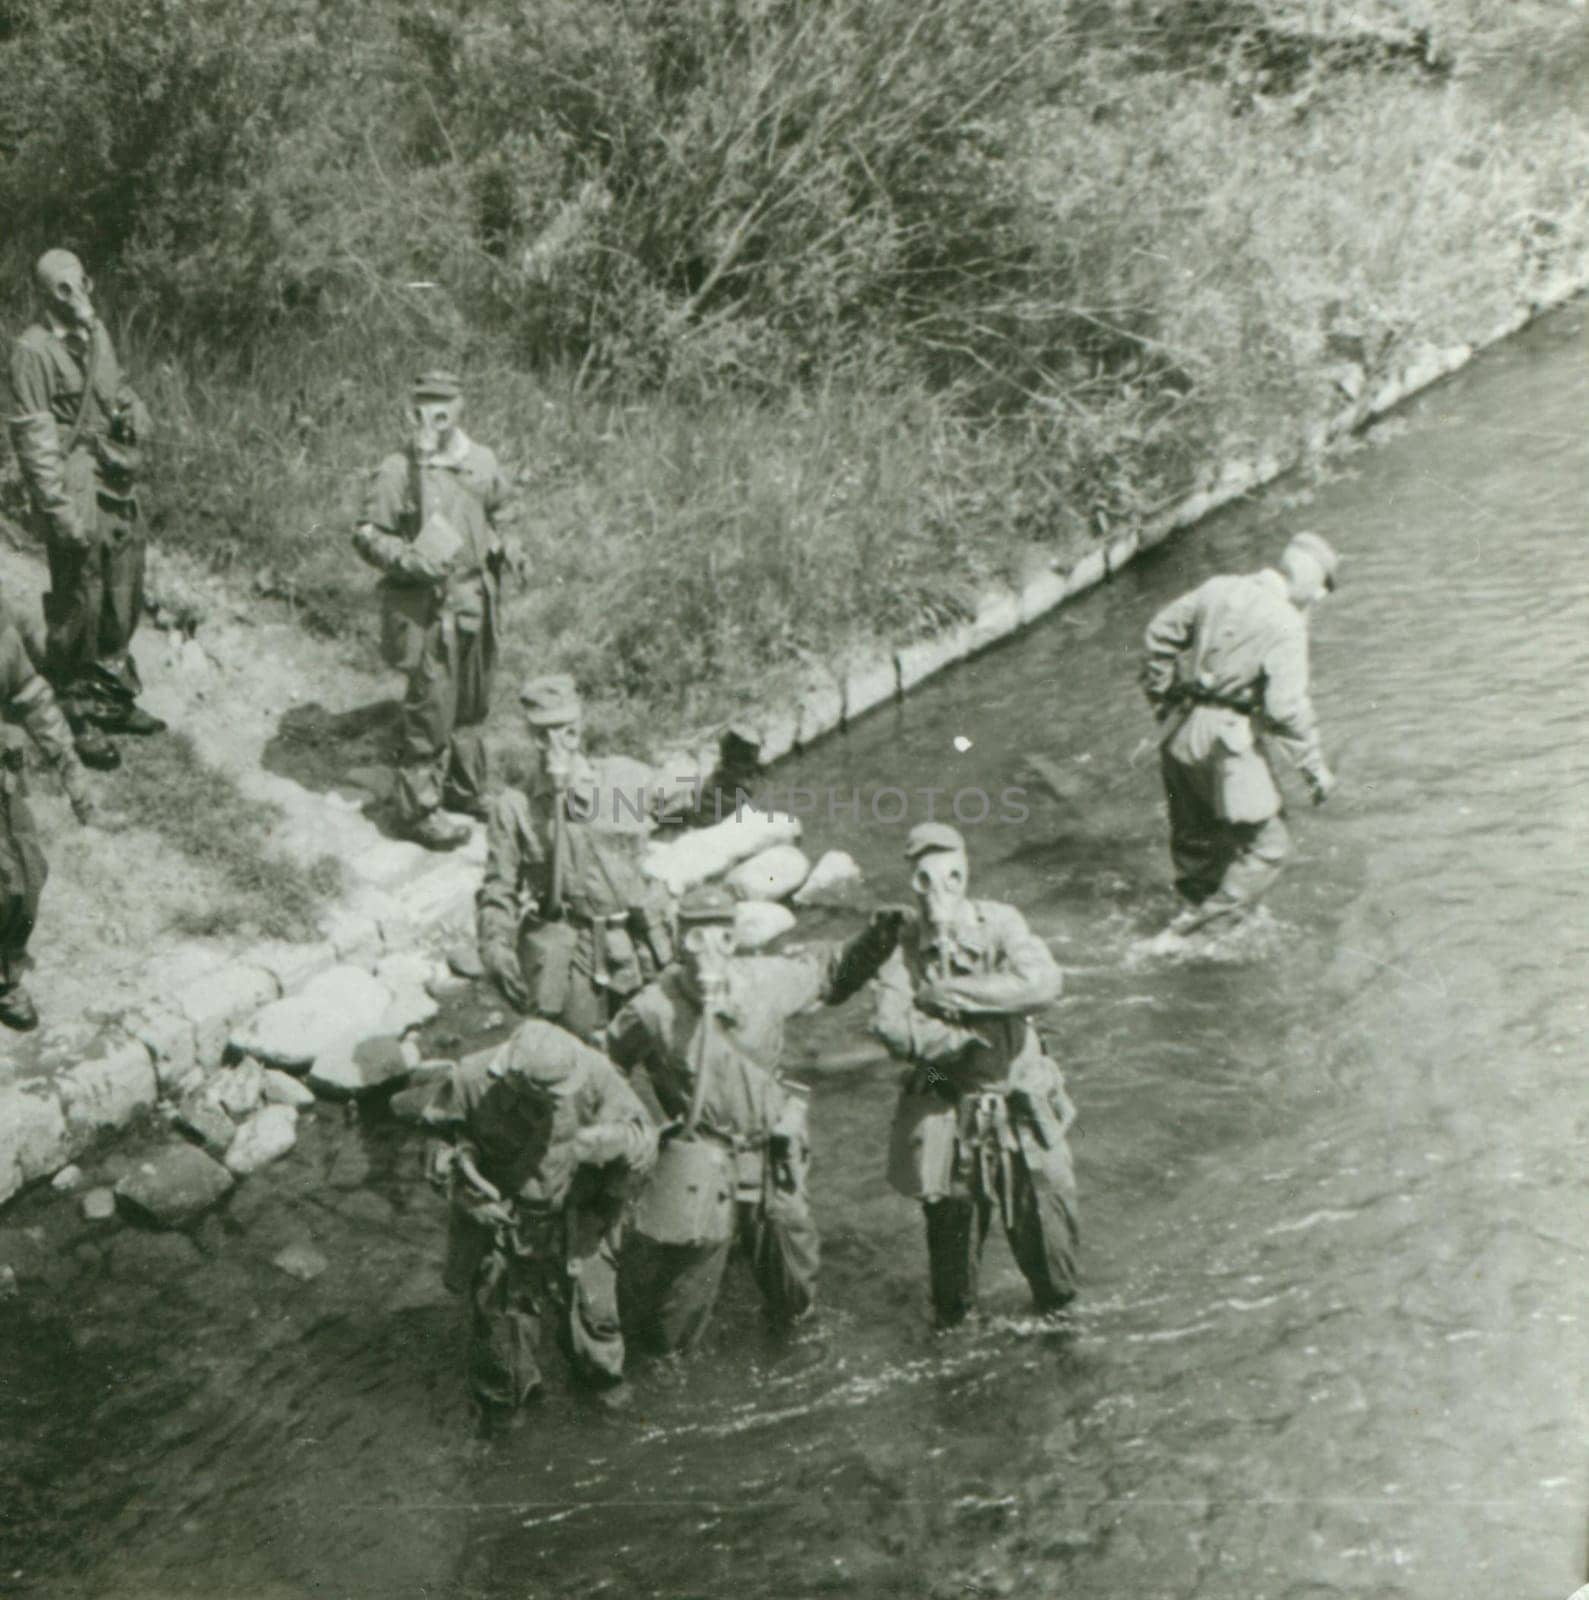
(794, 800)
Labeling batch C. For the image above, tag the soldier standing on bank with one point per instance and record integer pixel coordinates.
(25, 698)
(78, 431)
(983, 1111)
(569, 925)
(710, 1033)
(1223, 663)
(549, 1141)
(429, 524)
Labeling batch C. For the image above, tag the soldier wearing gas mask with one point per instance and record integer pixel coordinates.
(429, 524)
(78, 430)
(709, 1033)
(982, 1116)
(569, 926)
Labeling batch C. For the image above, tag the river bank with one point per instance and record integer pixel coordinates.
(81, 1081)
(1331, 1337)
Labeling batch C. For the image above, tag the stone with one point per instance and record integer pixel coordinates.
(387, 861)
(170, 1037)
(1087, 572)
(67, 1179)
(759, 922)
(998, 616)
(701, 853)
(300, 1260)
(9, 1288)
(464, 960)
(267, 1136)
(98, 1205)
(868, 684)
(832, 881)
(1040, 594)
(238, 1090)
(282, 1089)
(34, 1141)
(411, 1007)
(354, 935)
(173, 1185)
(369, 1065)
(410, 969)
(928, 656)
(219, 999)
(107, 1089)
(820, 709)
(199, 1115)
(770, 875)
(335, 1009)
(292, 965)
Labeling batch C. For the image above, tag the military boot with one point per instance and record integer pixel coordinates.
(94, 749)
(17, 1010)
(435, 832)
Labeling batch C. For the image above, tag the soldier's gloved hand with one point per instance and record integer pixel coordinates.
(784, 1155)
(598, 1144)
(501, 962)
(888, 920)
(1321, 784)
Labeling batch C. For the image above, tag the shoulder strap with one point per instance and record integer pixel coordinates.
(88, 395)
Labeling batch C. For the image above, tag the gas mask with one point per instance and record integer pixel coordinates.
(708, 949)
(433, 423)
(558, 747)
(66, 287)
(939, 884)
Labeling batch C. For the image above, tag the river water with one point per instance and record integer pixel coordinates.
(1331, 1341)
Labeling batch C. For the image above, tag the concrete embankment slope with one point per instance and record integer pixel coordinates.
(82, 1080)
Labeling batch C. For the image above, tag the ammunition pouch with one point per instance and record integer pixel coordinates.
(689, 1198)
(119, 461)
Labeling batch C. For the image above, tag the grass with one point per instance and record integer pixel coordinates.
(1223, 254)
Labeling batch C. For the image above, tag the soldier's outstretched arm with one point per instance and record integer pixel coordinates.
(1288, 706)
(855, 963)
(1028, 978)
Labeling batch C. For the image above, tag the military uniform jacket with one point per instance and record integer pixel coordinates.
(50, 370)
(525, 1146)
(993, 966)
(1233, 649)
(664, 1030)
(463, 488)
(621, 913)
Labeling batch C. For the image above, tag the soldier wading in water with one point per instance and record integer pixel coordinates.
(982, 1116)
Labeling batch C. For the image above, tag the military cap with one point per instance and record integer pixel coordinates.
(551, 700)
(1318, 549)
(707, 902)
(543, 1055)
(437, 385)
(927, 836)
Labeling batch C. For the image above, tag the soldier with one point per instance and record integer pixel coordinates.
(78, 430)
(734, 1159)
(26, 698)
(549, 1139)
(1223, 662)
(429, 525)
(569, 926)
(983, 1112)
